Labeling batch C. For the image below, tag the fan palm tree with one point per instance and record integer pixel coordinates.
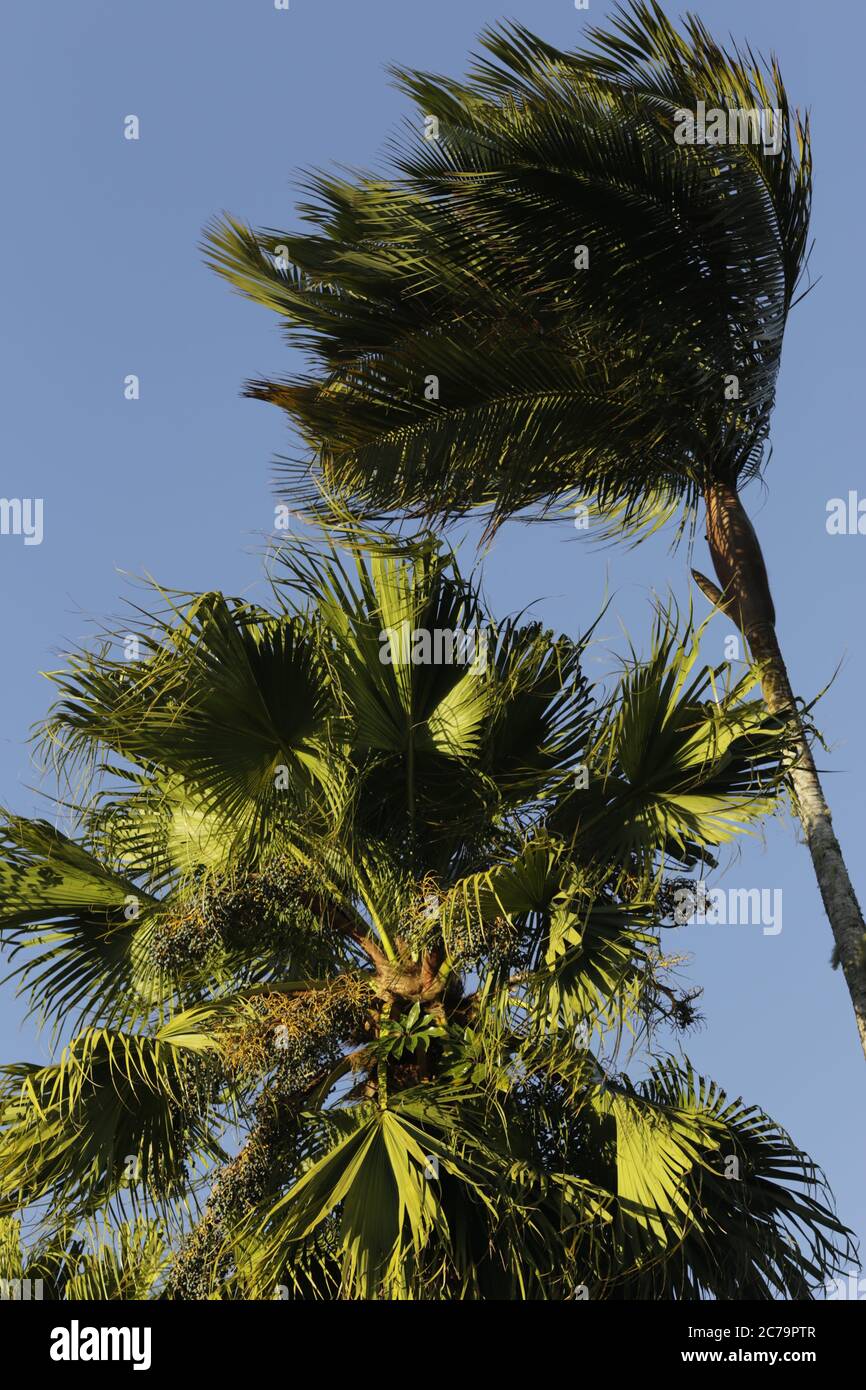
(563, 291)
(344, 942)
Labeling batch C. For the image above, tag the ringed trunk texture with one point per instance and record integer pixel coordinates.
(742, 575)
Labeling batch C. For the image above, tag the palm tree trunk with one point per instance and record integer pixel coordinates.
(745, 594)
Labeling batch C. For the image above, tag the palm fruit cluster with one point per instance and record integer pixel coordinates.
(274, 911)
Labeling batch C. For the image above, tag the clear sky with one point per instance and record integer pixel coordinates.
(102, 278)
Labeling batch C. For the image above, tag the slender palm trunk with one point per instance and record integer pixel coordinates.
(745, 594)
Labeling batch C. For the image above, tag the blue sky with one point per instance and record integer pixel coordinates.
(103, 278)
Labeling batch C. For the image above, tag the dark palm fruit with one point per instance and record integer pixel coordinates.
(669, 896)
(205, 1261)
(270, 911)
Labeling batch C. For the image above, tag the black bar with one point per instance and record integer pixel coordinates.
(175, 1338)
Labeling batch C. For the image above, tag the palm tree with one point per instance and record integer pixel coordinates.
(345, 941)
(557, 295)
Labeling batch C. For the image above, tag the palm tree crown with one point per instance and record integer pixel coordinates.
(360, 908)
(603, 376)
